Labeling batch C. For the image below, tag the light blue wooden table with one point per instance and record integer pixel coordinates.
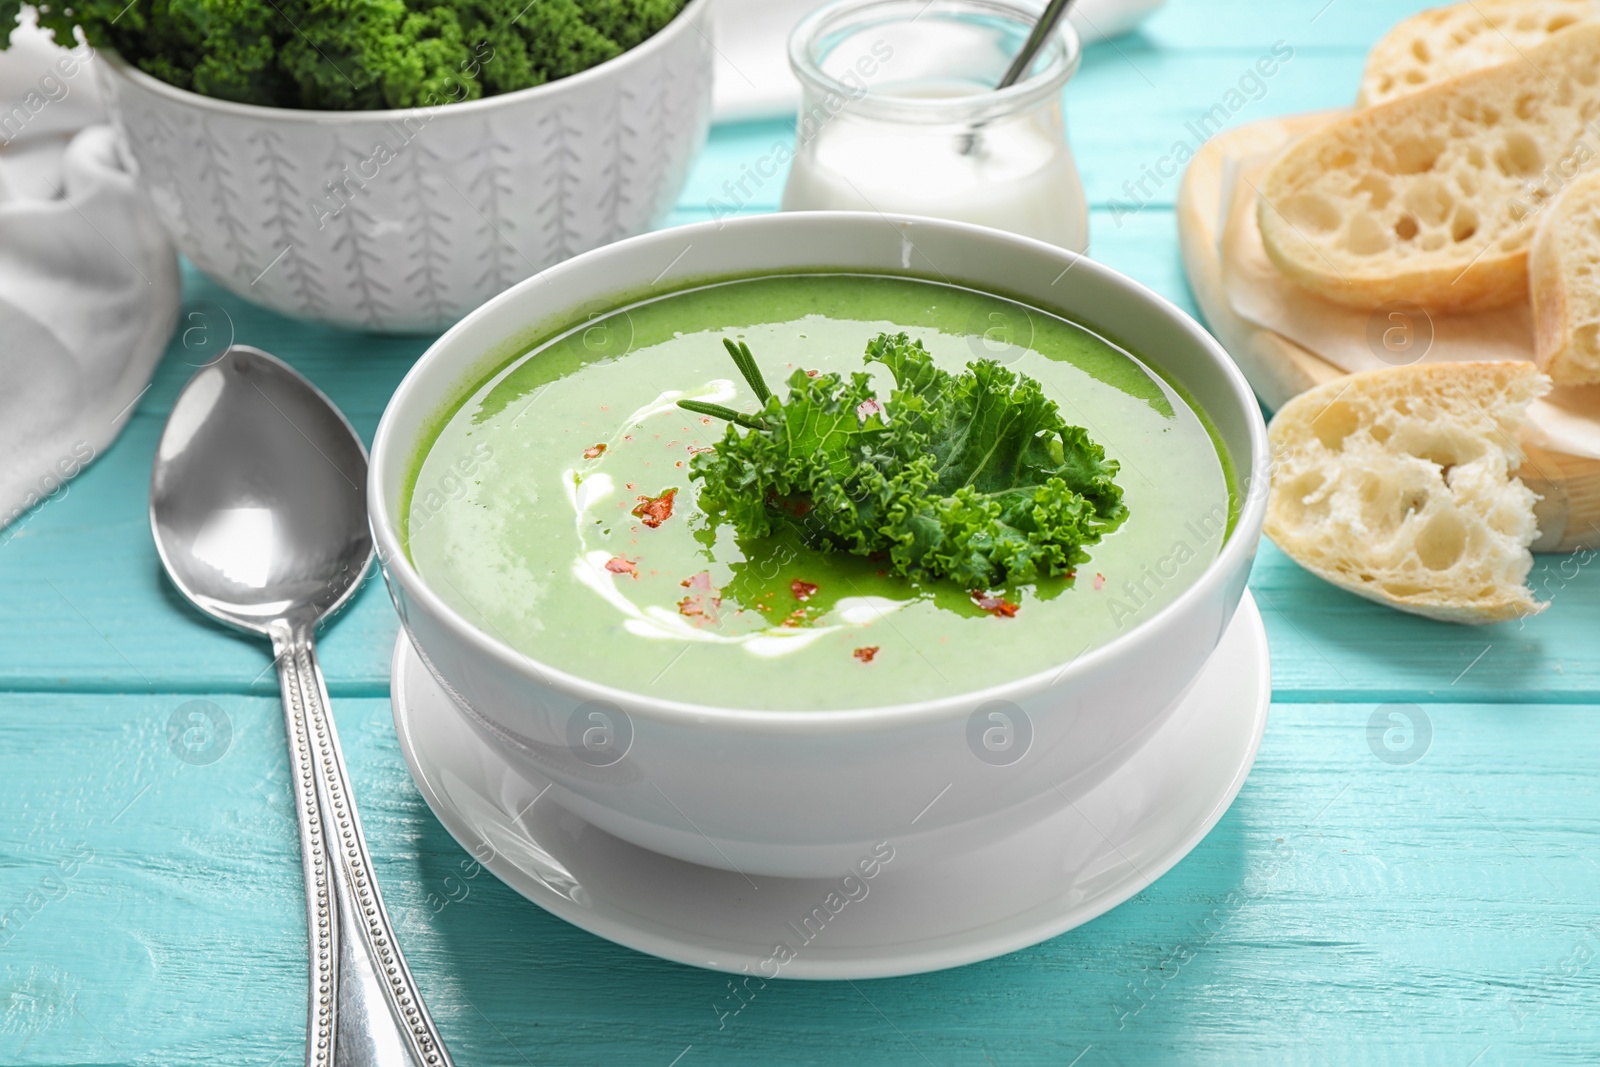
(1352, 907)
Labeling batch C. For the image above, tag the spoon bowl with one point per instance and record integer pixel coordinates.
(257, 496)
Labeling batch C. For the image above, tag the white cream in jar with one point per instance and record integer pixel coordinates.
(898, 115)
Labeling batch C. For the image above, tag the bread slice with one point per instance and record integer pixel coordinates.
(1446, 42)
(1399, 485)
(1564, 281)
(1427, 199)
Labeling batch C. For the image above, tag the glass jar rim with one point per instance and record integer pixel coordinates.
(1062, 54)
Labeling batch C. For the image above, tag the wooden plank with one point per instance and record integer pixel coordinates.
(1346, 910)
(87, 607)
(1350, 25)
(1329, 644)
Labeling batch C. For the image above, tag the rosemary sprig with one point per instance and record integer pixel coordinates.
(717, 411)
(752, 376)
(747, 367)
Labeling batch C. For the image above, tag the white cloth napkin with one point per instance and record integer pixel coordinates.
(753, 79)
(89, 285)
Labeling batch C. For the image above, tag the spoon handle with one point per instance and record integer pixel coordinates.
(377, 1013)
(1041, 32)
(321, 930)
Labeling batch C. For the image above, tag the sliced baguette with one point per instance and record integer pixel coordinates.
(1427, 199)
(1446, 42)
(1564, 282)
(1399, 485)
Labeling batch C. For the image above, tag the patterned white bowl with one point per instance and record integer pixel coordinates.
(405, 220)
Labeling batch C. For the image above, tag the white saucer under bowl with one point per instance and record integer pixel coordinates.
(1042, 881)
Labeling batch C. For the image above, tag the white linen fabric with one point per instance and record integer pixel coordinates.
(752, 76)
(89, 286)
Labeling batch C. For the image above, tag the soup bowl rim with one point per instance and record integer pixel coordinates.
(387, 450)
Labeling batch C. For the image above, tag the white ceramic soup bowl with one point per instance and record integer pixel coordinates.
(404, 220)
(811, 793)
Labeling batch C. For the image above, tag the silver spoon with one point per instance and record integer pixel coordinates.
(1041, 33)
(258, 506)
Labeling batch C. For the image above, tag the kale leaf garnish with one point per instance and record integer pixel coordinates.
(974, 477)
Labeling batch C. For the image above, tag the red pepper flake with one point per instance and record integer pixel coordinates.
(811, 374)
(803, 591)
(865, 654)
(594, 451)
(702, 602)
(655, 510)
(706, 421)
(629, 485)
(621, 565)
(998, 606)
(1099, 581)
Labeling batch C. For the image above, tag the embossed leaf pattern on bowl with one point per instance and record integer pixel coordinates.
(403, 221)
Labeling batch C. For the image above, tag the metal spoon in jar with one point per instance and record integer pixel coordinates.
(1042, 31)
(1049, 18)
(258, 507)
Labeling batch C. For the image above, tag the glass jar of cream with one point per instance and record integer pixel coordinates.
(899, 114)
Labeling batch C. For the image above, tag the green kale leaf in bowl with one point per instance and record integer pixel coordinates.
(356, 55)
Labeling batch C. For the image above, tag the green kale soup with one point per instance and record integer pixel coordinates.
(554, 507)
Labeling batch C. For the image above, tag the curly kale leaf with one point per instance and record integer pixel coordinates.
(972, 477)
(342, 55)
